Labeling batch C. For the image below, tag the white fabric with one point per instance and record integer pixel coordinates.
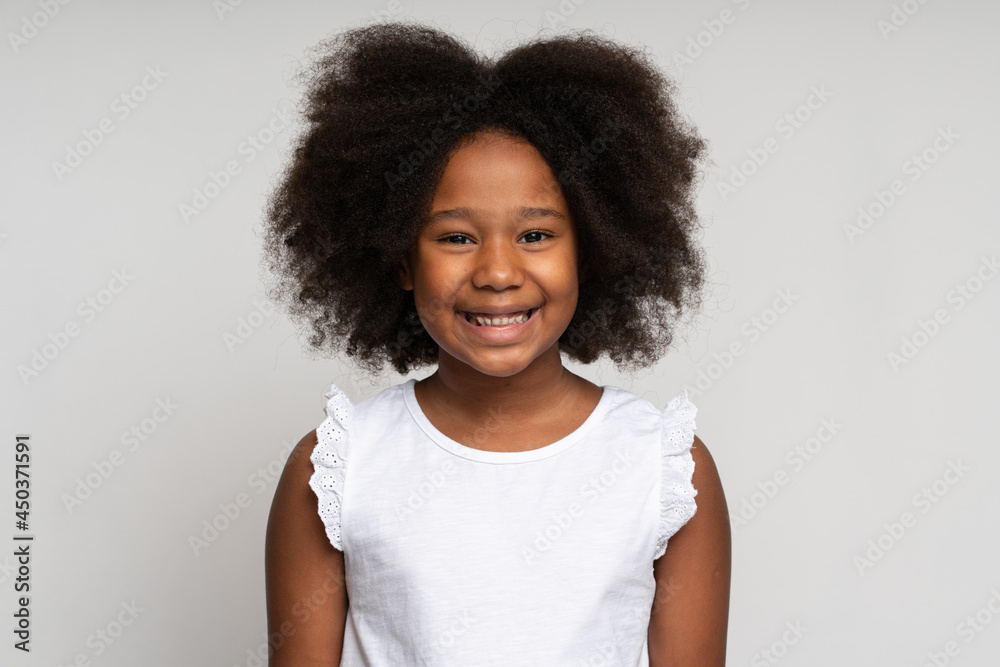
(459, 556)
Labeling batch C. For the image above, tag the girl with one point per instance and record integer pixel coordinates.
(489, 217)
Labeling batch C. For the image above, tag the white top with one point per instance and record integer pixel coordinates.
(459, 556)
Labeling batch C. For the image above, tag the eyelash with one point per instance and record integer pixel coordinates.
(534, 231)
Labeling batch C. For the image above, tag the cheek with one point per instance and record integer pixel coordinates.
(564, 280)
(435, 296)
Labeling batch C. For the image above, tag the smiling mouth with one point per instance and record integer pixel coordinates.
(481, 320)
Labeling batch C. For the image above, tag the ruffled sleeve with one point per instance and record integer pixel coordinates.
(329, 459)
(677, 494)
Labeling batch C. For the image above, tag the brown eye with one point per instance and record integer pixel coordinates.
(536, 233)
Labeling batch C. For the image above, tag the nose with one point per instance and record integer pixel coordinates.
(498, 265)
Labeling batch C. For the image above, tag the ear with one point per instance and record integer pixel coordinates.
(403, 274)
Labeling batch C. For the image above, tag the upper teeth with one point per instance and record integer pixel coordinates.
(513, 318)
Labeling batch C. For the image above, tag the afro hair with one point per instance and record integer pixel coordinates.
(386, 104)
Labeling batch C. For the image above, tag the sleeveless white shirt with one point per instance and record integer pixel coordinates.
(459, 556)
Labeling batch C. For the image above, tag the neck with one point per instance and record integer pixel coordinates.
(521, 396)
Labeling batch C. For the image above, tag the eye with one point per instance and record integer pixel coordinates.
(536, 233)
(462, 238)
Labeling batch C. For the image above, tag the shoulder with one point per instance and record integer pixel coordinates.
(694, 501)
(678, 418)
(678, 468)
(679, 405)
(626, 405)
(294, 483)
(690, 613)
(705, 478)
(339, 410)
(298, 465)
(293, 498)
(300, 559)
(333, 436)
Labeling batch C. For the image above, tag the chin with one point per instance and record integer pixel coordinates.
(496, 368)
(499, 371)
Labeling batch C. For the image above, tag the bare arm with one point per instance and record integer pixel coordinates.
(306, 595)
(690, 615)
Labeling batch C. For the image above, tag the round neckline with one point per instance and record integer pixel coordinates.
(489, 456)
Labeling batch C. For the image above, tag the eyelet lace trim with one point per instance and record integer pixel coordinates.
(677, 494)
(329, 458)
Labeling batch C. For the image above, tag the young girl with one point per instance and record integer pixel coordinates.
(489, 217)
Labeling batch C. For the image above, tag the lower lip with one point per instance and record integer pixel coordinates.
(500, 333)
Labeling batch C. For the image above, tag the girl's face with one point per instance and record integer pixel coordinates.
(497, 241)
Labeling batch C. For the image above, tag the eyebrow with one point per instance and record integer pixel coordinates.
(471, 213)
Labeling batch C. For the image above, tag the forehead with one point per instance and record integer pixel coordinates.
(495, 169)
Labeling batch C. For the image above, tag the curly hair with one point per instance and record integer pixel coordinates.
(387, 104)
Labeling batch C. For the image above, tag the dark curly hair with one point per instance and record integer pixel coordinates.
(387, 103)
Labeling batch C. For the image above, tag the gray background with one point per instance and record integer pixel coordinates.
(195, 285)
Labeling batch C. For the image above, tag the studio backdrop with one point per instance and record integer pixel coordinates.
(844, 365)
